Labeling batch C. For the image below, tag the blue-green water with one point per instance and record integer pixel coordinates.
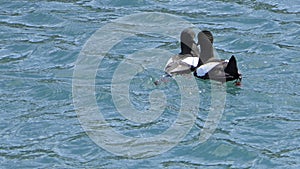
(41, 40)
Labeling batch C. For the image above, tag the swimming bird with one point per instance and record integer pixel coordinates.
(189, 55)
(210, 67)
(204, 65)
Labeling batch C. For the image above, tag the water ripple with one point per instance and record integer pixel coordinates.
(40, 41)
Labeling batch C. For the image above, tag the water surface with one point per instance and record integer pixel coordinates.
(41, 40)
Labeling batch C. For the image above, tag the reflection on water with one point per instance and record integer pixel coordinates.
(40, 42)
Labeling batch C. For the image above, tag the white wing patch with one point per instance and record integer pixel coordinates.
(191, 61)
(203, 69)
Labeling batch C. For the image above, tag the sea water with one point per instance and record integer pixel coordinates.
(40, 42)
